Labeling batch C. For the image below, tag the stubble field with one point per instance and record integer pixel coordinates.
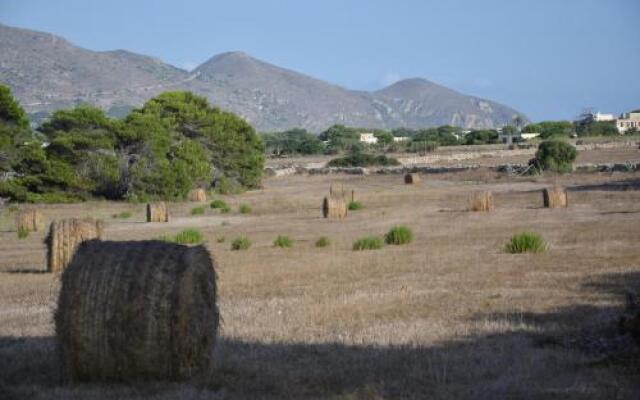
(451, 315)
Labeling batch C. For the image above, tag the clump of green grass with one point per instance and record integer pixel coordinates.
(399, 234)
(355, 205)
(225, 210)
(187, 236)
(368, 243)
(197, 211)
(283, 241)
(323, 242)
(219, 203)
(240, 243)
(23, 233)
(245, 209)
(220, 239)
(123, 215)
(526, 242)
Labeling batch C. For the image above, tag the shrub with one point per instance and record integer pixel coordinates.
(189, 236)
(218, 203)
(225, 210)
(245, 209)
(323, 242)
(123, 215)
(526, 242)
(555, 155)
(399, 234)
(283, 241)
(23, 232)
(240, 243)
(357, 159)
(355, 205)
(197, 211)
(368, 243)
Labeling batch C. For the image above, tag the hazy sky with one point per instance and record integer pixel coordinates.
(547, 58)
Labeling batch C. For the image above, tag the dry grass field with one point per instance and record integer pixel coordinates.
(451, 315)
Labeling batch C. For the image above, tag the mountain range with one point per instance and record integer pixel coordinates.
(46, 72)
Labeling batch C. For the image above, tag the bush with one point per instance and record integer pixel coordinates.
(123, 215)
(555, 155)
(323, 242)
(526, 242)
(355, 205)
(368, 243)
(245, 209)
(399, 234)
(197, 211)
(283, 241)
(225, 210)
(240, 243)
(23, 232)
(357, 159)
(218, 203)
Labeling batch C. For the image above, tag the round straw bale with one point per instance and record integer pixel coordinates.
(137, 311)
(410, 179)
(65, 236)
(555, 197)
(336, 190)
(481, 201)
(157, 212)
(198, 195)
(30, 220)
(334, 207)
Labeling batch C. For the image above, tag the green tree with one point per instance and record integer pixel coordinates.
(556, 156)
(548, 129)
(14, 128)
(485, 136)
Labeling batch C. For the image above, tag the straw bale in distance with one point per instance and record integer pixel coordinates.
(334, 207)
(31, 220)
(336, 190)
(198, 195)
(157, 212)
(555, 197)
(410, 179)
(142, 310)
(65, 236)
(481, 201)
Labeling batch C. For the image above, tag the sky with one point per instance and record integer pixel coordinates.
(549, 59)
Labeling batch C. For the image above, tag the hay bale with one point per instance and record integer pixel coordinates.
(65, 236)
(31, 220)
(481, 201)
(198, 195)
(336, 190)
(555, 197)
(137, 311)
(157, 212)
(411, 179)
(334, 207)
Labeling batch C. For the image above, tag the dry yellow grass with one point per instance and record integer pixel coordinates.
(447, 316)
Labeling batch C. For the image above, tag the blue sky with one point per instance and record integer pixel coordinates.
(547, 58)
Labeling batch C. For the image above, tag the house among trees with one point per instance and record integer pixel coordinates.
(630, 120)
(368, 137)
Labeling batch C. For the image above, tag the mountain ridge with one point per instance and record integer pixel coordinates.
(47, 72)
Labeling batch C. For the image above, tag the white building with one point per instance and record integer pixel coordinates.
(368, 138)
(400, 138)
(603, 117)
(628, 121)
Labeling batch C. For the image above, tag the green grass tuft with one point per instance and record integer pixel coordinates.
(218, 203)
(240, 243)
(23, 233)
(368, 243)
(355, 205)
(187, 236)
(526, 242)
(197, 211)
(123, 215)
(283, 241)
(245, 209)
(225, 210)
(399, 234)
(323, 242)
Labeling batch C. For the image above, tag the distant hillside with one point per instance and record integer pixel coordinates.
(46, 73)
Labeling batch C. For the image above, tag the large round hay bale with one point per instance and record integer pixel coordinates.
(481, 201)
(65, 236)
(198, 195)
(157, 212)
(31, 220)
(334, 207)
(336, 190)
(411, 179)
(137, 311)
(555, 197)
